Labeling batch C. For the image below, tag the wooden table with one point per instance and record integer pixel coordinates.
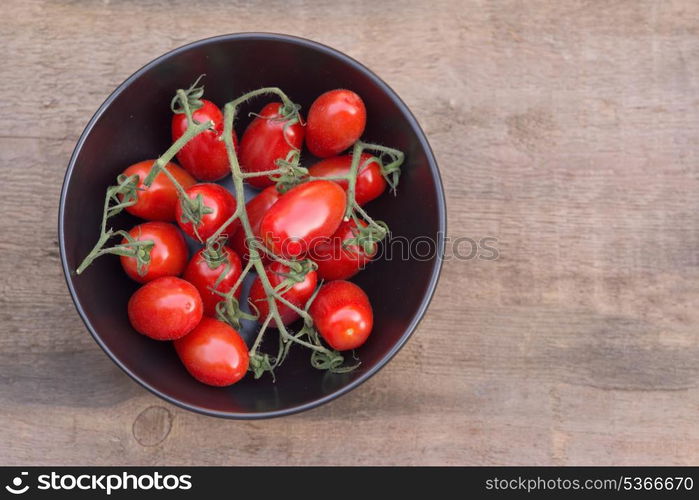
(568, 130)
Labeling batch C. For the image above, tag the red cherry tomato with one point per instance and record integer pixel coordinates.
(165, 309)
(219, 200)
(256, 209)
(214, 353)
(158, 202)
(267, 139)
(199, 274)
(342, 314)
(302, 216)
(337, 261)
(205, 155)
(335, 121)
(169, 254)
(297, 294)
(370, 183)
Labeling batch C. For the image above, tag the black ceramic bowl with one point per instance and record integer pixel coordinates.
(134, 124)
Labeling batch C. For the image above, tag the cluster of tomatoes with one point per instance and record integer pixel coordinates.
(182, 299)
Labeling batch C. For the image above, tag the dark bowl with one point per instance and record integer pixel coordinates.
(134, 124)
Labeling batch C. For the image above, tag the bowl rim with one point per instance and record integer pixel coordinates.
(441, 230)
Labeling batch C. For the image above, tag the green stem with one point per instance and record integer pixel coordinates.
(254, 256)
(95, 252)
(236, 214)
(286, 102)
(193, 129)
(329, 178)
(260, 335)
(125, 188)
(366, 216)
(260, 247)
(180, 190)
(295, 308)
(264, 173)
(395, 153)
(159, 164)
(246, 270)
(352, 178)
(184, 99)
(390, 171)
(231, 107)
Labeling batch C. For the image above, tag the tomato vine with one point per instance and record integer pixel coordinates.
(288, 174)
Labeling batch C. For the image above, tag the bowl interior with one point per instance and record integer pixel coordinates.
(134, 124)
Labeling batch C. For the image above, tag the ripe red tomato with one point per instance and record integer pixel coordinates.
(199, 274)
(297, 294)
(265, 140)
(205, 155)
(217, 198)
(336, 261)
(214, 353)
(370, 183)
(342, 314)
(165, 309)
(169, 254)
(302, 216)
(335, 121)
(256, 209)
(158, 202)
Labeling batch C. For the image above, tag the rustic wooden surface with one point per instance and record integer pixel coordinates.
(569, 130)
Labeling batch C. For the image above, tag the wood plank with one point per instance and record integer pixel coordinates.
(566, 130)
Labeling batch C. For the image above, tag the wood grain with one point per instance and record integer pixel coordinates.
(566, 129)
